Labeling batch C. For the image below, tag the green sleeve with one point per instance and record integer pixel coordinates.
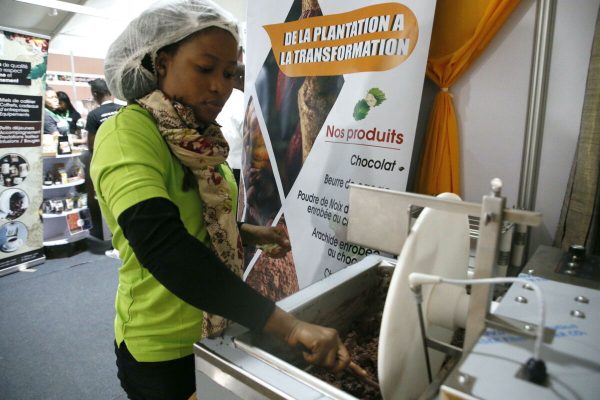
(129, 166)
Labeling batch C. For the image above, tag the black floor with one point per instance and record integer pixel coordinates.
(56, 328)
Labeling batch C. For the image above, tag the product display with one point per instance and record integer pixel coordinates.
(75, 223)
(49, 145)
(13, 235)
(64, 147)
(81, 200)
(63, 205)
(72, 202)
(14, 169)
(48, 180)
(13, 203)
(60, 175)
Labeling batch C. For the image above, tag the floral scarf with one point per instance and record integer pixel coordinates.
(202, 151)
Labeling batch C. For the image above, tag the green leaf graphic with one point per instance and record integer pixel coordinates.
(39, 70)
(361, 109)
(378, 94)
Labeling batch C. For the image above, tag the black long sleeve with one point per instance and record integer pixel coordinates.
(186, 267)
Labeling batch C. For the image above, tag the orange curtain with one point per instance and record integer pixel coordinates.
(461, 31)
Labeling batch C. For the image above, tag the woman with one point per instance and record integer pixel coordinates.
(67, 111)
(169, 199)
(54, 123)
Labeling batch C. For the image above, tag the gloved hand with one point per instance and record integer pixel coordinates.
(320, 345)
(273, 240)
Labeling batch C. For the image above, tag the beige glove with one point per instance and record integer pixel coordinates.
(320, 345)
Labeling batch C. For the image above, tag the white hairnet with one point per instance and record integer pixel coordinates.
(164, 23)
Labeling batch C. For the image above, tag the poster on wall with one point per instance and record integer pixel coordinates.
(333, 90)
(23, 59)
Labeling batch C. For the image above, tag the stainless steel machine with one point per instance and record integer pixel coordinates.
(498, 337)
(242, 365)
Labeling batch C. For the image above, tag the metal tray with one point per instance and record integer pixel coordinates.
(248, 365)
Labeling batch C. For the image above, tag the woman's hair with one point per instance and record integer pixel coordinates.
(62, 96)
(129, 63)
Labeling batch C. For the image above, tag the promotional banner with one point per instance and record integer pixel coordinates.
(22, 84)
(333, 90)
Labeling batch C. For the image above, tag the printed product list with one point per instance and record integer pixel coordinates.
(333, 99)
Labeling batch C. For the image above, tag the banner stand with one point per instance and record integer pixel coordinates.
(23, 62)
(22, 266)
(332, 94)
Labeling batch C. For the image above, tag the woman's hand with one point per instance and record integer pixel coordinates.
(320, 345)
(272, 240)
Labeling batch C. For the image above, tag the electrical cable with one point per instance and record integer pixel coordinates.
(416, 279)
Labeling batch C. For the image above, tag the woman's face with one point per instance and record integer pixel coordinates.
(51, 100)
(62, 106)
(200, 74)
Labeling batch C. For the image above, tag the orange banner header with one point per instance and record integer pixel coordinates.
(373, 38)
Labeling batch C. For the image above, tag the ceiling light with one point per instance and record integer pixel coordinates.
(70, 7)
(53, 12)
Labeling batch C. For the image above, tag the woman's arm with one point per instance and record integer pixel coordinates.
(186, 267)
(192, 272)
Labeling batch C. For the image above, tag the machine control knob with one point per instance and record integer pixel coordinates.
(575, 258)
(535, 371)
(576, 253)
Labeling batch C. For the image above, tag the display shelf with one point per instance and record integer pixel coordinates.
(54, 155)
(64, 214)
(65, 185)
(68, 226)
(60, 240)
